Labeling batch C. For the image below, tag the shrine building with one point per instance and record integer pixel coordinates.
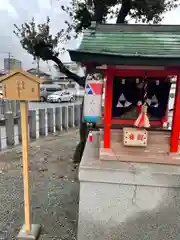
(129, 173)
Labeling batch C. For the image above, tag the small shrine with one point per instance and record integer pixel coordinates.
(129, 172)
(137, 63)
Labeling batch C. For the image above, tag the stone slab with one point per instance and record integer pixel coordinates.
(33, 235)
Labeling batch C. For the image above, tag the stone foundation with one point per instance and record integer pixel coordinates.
(156, 151)
(127, 201)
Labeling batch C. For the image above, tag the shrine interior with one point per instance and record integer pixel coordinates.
(128, 92)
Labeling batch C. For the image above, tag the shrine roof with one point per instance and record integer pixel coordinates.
(129, 43)
(23, 73)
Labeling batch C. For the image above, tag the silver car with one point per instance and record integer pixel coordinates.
(47, 89)
(61, 96)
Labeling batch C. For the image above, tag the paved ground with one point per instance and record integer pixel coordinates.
(54, 188)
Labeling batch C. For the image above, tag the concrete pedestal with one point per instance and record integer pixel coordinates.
(127, 201)
(33, 235)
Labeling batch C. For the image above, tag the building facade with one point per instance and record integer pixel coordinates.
(11, 64)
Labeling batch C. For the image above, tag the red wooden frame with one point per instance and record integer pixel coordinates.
(176, 120)
(144, 73)
(108, 108)
(131, 122)
(150, 73)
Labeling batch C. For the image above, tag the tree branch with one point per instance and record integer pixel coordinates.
(123, 12)
(100, 10)
(67, 72)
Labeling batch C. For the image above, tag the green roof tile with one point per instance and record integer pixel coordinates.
(133, 40)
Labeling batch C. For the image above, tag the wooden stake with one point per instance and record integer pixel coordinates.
(24, 129)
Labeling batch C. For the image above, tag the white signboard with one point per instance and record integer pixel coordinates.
(135, 137)
(92, 101)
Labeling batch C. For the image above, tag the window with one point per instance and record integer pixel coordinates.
(71, 85)
(53, 89)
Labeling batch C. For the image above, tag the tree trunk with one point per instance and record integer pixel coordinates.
(67, 72)
(83, 131)
(124, 10)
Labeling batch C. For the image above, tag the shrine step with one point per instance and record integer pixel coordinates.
(153, 153)
(155, 137)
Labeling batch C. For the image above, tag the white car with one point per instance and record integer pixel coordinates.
(1, 95)
(2, 99)
(60, 96)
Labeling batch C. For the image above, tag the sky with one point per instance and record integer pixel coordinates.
(19, 11)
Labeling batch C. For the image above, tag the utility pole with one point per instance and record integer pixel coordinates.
(9, 63)
(38, 66)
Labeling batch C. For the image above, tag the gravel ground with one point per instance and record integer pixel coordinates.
(54, 188)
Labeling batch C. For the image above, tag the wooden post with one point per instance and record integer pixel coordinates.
(108, 108)
(176, 120)
(24, 128)
(24, 87)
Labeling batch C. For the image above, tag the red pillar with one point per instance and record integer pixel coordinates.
(176, 119)
(108, 108)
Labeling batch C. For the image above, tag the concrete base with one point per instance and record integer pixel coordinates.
(127, 201)
(33, 235)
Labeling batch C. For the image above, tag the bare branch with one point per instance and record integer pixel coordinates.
(38, 41)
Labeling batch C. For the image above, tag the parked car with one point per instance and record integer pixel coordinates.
(61, 96)
(47, 89)
(2, 98)
(1, 95)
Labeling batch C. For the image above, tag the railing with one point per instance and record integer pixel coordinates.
(42, 122)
